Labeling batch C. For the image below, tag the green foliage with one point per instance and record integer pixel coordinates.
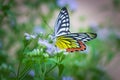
(116, 4)
(22, 57)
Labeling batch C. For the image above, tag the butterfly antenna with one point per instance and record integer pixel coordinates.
(46, 23)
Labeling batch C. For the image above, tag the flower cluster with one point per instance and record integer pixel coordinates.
(28, 36)
(51, 49)
(71, 3)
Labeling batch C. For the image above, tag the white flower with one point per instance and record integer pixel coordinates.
(33, 36)
(28, 36)
(45, 55)
(51, 49)
(34, 52)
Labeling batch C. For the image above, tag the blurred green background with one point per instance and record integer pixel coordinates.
(22, 58)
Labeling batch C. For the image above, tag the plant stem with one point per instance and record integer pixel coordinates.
(51, 69)
(19, 65)
(25, 71)
(18, 70)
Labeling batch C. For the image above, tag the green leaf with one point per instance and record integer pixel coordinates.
(51, 61)
(61, 68)
(49, 78)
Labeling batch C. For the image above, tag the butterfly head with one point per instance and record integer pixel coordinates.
(52, 37)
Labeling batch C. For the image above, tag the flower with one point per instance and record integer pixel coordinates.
(94, 26)
(61, 3)
(50, 47)
(28, 36)
(35, 52)
(103, 34)
(71, 3)
(46, 55)
(38, 30)
(31, 73)
(67, 78)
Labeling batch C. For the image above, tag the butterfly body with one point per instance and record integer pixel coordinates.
(64, 39)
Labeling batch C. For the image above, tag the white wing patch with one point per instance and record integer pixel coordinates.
(62, 23)
(62, 29)
(64, 20)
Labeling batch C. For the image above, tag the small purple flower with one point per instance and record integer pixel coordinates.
(38, 30)
(94, 26)
(61, 3)
(67, 78)
(103, 34)
(50, 47)
(71, 3)
(32, 73)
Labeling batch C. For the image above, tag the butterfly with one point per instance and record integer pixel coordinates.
(64, 39)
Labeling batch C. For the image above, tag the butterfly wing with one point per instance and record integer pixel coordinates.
(70, 44)
(62, 23)
(84, 37)
(80, 38)
(64, 42)
(81, 47)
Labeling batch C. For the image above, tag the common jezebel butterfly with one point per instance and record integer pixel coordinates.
(64, 39)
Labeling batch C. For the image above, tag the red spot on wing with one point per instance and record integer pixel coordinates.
(81, 48)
